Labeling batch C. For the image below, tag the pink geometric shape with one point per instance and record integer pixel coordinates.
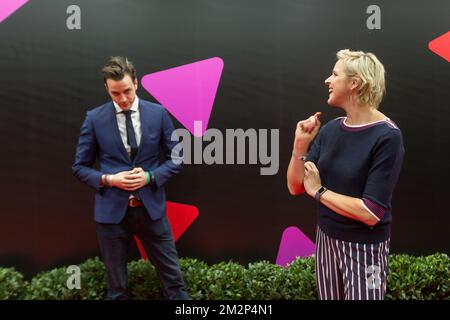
(441, 46)
(187, 91)
(294, 243)
(8, 7)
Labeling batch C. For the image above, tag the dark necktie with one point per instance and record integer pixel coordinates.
(131, 137)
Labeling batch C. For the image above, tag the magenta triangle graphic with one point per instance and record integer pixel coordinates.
(294, 243)
(187, 91)
(8, 7)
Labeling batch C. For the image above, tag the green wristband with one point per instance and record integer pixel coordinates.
(148, 176)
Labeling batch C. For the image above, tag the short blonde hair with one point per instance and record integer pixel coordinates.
(369, 70)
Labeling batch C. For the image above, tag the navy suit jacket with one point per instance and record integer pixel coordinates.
(100, 140)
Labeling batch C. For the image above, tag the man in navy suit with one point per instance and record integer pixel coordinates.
(125, 136)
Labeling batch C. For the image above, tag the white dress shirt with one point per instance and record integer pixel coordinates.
(135, 118)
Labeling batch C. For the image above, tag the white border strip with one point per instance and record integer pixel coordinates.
(365, 207)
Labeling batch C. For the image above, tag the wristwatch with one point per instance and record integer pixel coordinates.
(320, 192)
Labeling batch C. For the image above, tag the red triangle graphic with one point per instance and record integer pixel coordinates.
(441, 46)
(180, 218)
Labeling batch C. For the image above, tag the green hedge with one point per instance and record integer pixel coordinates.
(409, 278)
(425, 278)
(12, 284)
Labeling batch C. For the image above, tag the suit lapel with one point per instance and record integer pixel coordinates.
(116, 132)
(143, 117)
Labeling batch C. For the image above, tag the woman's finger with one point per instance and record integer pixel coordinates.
(307, 168)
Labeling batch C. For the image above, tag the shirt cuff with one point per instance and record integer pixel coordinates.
(375, 209)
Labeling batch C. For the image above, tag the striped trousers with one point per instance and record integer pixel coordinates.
(350, 270)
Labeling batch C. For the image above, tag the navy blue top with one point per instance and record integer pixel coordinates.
(362, 162)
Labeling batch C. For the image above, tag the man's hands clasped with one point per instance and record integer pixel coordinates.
(129, 180)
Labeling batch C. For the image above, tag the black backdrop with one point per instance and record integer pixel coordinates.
(276, 54)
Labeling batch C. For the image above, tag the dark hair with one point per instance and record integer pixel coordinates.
(117, 67)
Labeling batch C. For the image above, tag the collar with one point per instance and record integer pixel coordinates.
(134, 106)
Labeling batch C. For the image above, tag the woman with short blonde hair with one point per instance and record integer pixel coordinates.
(350, 166)
(370, 73)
